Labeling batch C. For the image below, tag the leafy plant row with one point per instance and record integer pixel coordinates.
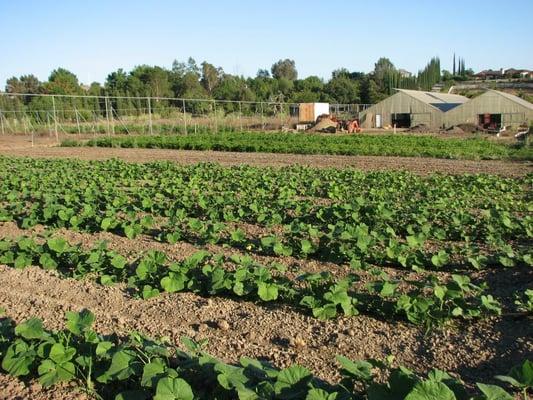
(334, 215)
(427, 301)
(376, 145)
(137, 367)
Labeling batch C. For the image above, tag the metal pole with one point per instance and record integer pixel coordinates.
(112, 118)
(262, 118)
(150, 116)
(2, 122)
(240, 114)
(184, 116)
(107, 117)
(215, 112)
(77, 121)
(55, 118)
(48, 124)
(280, 116)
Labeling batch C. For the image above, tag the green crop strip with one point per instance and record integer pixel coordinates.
(342, 216)
(138, 367)
(297, 143)
(428, 301)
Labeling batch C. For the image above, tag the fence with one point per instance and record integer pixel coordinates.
(56, 115)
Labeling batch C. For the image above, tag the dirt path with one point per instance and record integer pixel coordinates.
(422, 166)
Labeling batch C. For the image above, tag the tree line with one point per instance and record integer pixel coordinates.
(191, 80)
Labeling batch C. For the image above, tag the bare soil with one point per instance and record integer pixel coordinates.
(477, 351)
(421, 166)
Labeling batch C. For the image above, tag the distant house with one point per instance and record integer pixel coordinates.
(490, 74)
(404, 73)
(510, 73)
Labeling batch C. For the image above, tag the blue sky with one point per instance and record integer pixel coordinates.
(93, 38)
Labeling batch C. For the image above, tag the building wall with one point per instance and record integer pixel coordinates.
(488, 103)
(401, 103)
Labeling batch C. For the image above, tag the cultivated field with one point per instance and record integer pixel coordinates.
(265, 276)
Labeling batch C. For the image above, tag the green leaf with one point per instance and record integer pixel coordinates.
(306, 246)
(173, 282)
(51, 372)
(292, 382)
(320, 394)
(61, 354)
(118, 261)
(31, 329)
(123, 365)
(520, 376)
(133, 395)
(106, 224)
(149, 292)
(152, 372)
(59, 245)
(360, 370)
(440, 259)
(328, 311)
(493, 392)
(267, 291)
(47, 262)
(77, 323)
(18, 359)
(173, 389)
(22, 261)
(431, 390)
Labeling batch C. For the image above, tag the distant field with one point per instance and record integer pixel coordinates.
(367, 145)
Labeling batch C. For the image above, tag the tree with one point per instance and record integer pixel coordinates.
(263, 73)
(285, 69)
(117, 81)
(62, 81)
(370, 91)
(210, 76)
(343, 90)
(155, 80)
(381, 68)
(26, 84)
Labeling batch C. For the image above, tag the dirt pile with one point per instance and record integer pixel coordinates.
(455, 130)
(468, 128)
(420, 128)
(326, 125)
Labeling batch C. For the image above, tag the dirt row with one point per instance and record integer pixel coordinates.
(476, 351)
(418, 165)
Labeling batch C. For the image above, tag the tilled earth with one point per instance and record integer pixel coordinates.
(477, 351)
(418, 165)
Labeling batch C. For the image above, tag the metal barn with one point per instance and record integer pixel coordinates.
(408, 108)
(491, 110)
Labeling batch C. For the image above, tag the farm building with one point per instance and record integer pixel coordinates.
(491, 110)
(408, 108)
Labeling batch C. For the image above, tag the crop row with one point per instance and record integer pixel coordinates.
(297, 143)
(341, 216)
(137, 367)
(429, 301)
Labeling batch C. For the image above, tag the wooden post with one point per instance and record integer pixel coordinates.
(184, 115)
(2, 122)
(55, 118)
(150, 116)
